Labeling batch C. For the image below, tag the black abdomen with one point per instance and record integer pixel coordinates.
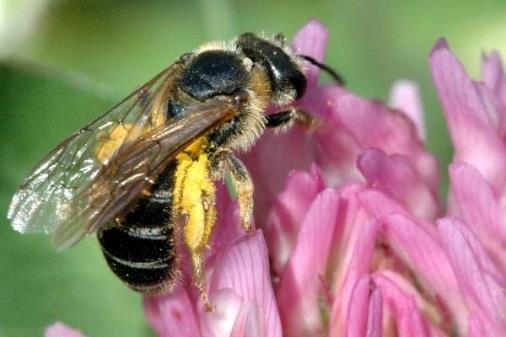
(141, 249)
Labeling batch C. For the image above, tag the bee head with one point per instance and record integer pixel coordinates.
(287, 80)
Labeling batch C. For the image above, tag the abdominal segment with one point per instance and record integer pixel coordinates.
(141, 248)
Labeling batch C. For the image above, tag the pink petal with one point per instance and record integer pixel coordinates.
(59, 329)
(358, 309)
(483, 295)
(229, 313)
(244, 268)
(288, 213)
(473, 134)
(405, 284)
(300, 285)
(492, 107)
(173, 314)
(247, 324)
(355, 263)
(405, 96)
(475, 327)
(487, 264)
(252, 325)
(485, 216)
(311, 40)
(352, 219)
(491, 94)
(378, 204)
(405, 299)
(375, 322)
(493, 89)
(418, 245)
(372, 124)
(492, 72)
(335, 147)
(392, 174)
(275, 155)
(227, 228)
(152, 312)
(405, 312)
(270, 161)
(470, 188)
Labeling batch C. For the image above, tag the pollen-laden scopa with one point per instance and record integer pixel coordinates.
(194, 198)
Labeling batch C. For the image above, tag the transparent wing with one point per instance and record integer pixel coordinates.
(46, 198)
(134, 168)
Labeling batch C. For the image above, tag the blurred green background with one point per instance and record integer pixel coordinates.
(64, 62)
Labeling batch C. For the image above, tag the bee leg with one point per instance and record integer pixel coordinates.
(198, 232)
(283, 120)
(242, 186)
(198, 274)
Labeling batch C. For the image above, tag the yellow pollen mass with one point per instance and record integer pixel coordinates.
(194, 194)
(109, 143)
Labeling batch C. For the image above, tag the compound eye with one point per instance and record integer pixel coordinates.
(298, 82)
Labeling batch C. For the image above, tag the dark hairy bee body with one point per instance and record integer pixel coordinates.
(142, 175)
(140, 246)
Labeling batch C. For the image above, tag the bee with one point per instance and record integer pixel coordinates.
(141, 176)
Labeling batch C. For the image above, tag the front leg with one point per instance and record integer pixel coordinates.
(283, 120)
(228, 166)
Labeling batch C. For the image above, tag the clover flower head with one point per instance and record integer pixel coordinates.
(352, 238)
